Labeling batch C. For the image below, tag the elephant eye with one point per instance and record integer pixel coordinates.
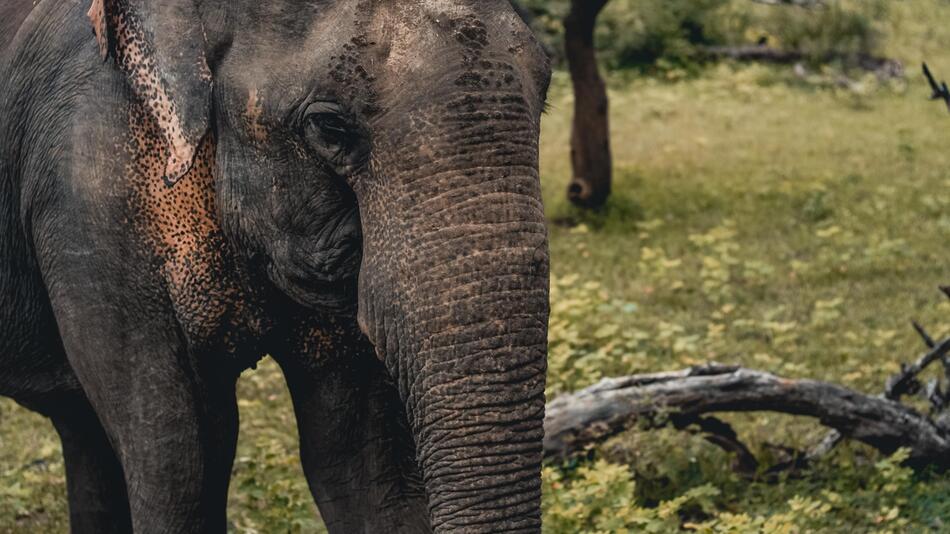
(329, 131)
(331, 127)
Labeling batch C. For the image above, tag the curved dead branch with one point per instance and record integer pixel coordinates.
(577, 420)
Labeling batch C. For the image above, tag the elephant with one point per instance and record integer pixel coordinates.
(348, 186)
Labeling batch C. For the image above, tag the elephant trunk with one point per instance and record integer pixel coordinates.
(477, 412)
(454, 295)
(463, 330)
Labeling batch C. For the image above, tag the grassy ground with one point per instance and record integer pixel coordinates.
(780, 227)
(756, 220)
(767, 222)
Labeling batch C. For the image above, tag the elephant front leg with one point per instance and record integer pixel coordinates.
(176, 443)
(356, 449)
(172, 425)
(98, 502)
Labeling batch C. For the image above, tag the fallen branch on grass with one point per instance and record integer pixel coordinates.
(683, 398)
(614, 405)
(905, 382)
(884, 68)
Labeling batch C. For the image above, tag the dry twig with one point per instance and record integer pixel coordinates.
(940, 90)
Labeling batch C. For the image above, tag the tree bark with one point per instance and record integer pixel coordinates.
(577, 420)
(590, 136)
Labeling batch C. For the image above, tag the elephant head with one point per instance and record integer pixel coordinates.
(380, 158)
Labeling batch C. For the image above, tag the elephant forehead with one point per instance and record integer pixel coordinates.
(405, 37)
(419, 34)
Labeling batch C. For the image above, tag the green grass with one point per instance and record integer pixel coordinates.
(268, 489)
(738, 202)
(756, 220)
(761, 223)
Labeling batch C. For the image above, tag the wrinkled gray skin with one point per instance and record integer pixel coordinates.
(350, 186)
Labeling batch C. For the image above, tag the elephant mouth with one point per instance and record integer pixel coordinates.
(315, 293)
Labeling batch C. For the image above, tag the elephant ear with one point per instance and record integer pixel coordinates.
(160, 47)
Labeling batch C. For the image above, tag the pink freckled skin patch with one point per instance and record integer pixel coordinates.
(143, 67)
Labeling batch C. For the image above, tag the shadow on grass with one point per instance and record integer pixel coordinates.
(621, 211)
(637, 198)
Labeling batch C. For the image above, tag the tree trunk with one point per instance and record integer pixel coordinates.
(590, 137)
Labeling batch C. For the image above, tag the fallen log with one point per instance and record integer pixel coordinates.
(883, 67)
(684, 399)
(577, 420)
